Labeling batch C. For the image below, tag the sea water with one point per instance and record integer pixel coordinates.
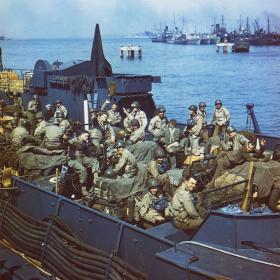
(189, 74)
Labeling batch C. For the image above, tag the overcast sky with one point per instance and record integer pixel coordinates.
(77, 18)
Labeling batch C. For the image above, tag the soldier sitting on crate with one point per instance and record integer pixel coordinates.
(81, 156)
(124, 162)
(182, 208)
(152, 207)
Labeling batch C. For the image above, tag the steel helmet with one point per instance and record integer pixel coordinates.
(128, 110)
(55, 122)
(231, 129)
(35, 97)
(39, 115)
(58, 101)
(159, 153)
(135, 104)
(25, 123)
(120, 144)
(129, 142)
(161, 109)
(218, 102)
(193, 108)
(110, 173)
(135, 122)
(202, 104)
(153, 183)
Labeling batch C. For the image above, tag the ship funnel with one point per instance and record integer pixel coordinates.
(101, 66)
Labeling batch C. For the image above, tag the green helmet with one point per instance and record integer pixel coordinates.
(135, 104)
(161, 109)
(59, 115)
(39, 116)
(153, 183)
(159, 153)
(231, 129)
(135, 122)
(120, 144)
(110, 173)
(193, 108)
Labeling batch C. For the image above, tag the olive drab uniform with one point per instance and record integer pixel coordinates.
(64, 124)
(194, 133)
(171, 137)
(18, 104)
(40, 128)
(183, 211)
(108, 136)
(19, 136)
(156, 171)
(53, 137)
(126, 166)
(235, 143)
(33, 107)
(220, 120)
(96, 139)
(204, 132)
(145, 209)
(80, 159)
(137, 135)
(62, 109)
(114, 118)
(141, 117)
(156, 125)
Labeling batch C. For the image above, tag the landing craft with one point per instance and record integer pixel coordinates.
(72, 241)
(87, 84)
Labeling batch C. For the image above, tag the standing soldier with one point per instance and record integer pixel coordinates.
(203, 114)
(182, 208)
(147, 212)
(157, 123)
(80, 159)
(220, 119)
(60, 108)
(33, 107)
(138, 114)
(18, 103)
(126, 166)
(193, 128)
(114, 117)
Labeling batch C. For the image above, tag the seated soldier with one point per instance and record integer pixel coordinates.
(126, 166)
(157, 123)
(182, 208)
(137, 134)
(233, 141)
(172, 140)
(63, 123)
(127, 121)
(157, 169)
(230, 159)
(40, 125)
(80, 159)
(114, 117)
(20, 135)
(145, 206)
(60, 108)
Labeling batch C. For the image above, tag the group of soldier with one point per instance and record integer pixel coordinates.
(104, 148)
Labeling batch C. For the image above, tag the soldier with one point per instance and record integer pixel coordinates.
(33, 107)
(63, 123)
(157, 123)
(137, 114)
(81, 158)
(40, 125)
(172, 140)
(203, 114)
(114, 117)
(233, 140)
(53, 136)
(137, 134)
(20, 134)
(60, 108)
(94, 116)
(157, 169)
(220, 118)
(145, 206)
(127, 121)
(230, 159)
(182, 208)
(17, 100)
(126, 166)
(193, 129)
(49, 113)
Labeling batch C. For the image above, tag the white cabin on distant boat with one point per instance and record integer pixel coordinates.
(131, 51)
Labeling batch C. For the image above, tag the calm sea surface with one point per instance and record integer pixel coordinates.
(189, 74)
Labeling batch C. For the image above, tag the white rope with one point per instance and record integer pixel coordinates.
(229, 253)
